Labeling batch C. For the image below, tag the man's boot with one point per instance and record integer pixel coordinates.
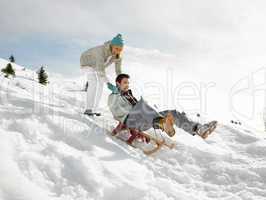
(205, 130)
(167, 124)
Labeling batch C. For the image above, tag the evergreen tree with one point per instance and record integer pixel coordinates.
(8, 70)
(12, 59)
(42, 76)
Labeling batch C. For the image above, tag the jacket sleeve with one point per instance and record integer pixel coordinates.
(85, 58)
(100, 65)
(118, 111)
(118, 64)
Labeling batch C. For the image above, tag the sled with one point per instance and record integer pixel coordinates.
(154, 141)
(158, 143)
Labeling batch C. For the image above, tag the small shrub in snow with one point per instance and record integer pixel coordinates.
(12, 59)
(42, 76)
(8, 70)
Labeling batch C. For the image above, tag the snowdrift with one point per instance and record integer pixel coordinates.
(48, 150)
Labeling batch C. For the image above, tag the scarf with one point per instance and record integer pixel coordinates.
(129, 97)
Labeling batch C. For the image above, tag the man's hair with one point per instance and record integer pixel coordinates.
(120, 77)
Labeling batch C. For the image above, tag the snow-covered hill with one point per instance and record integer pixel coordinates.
(48, 150)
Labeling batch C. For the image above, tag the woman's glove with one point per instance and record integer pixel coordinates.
(112, 87)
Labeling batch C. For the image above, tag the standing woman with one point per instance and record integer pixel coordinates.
(95, 61)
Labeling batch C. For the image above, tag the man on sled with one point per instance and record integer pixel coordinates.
(138, 116)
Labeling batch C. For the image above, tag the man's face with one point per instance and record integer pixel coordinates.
(123, 85)
(116, 50)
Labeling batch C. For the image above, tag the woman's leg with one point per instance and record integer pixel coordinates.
(94, 91)
(141, 116)
(99, 90)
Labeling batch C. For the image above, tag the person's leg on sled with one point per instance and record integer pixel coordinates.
(191, 127)
(143, 117)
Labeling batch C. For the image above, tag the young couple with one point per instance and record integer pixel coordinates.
(130, 112)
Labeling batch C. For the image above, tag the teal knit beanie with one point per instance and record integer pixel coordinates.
(117, 41)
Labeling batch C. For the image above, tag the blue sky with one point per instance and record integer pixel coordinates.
(54, 33)
(36, 50)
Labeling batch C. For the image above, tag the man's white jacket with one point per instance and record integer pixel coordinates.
(119, 106)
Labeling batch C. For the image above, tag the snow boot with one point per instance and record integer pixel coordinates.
(167, 124)
(205, 130)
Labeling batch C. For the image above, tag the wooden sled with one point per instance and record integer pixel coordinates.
(158, 143)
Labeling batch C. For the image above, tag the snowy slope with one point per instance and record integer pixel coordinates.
(48, 150)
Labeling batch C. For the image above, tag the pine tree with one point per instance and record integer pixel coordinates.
(12, 59)
(42, 76)
(8, 70)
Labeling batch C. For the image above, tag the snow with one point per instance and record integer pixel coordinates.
(49, 150)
